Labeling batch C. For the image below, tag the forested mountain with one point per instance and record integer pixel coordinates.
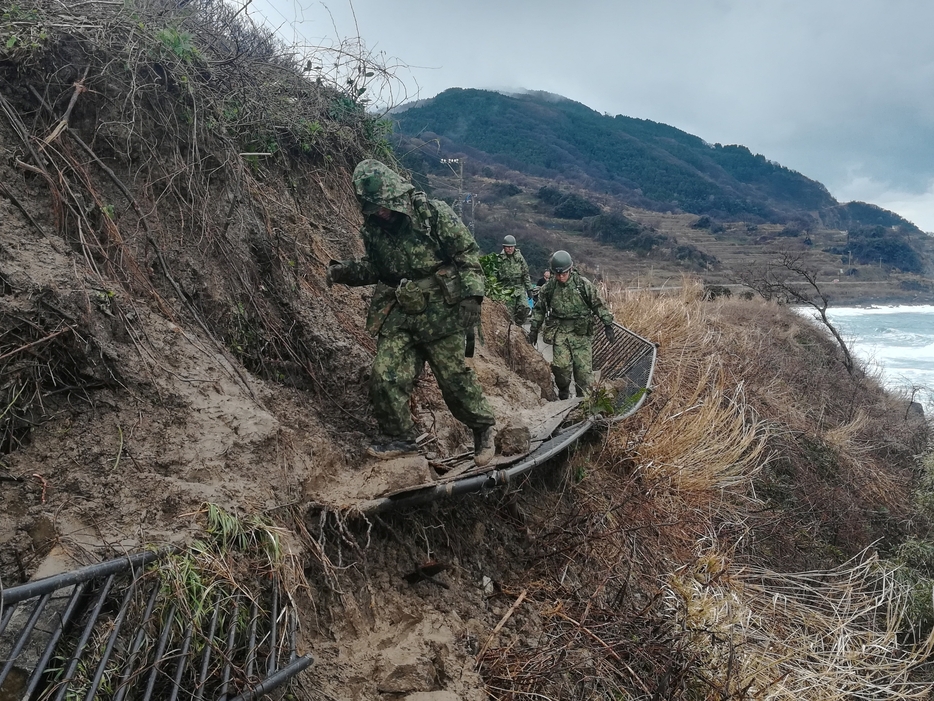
(644, 163)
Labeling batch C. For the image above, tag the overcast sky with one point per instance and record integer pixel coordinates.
(839, 90)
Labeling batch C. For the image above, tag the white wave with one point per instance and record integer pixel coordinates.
(874, 310)
(897, 343)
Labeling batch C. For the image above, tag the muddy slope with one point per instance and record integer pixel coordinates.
(166, 336)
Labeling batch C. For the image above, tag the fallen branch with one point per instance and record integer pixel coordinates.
(502, 622)
(35, 343)
(103, 166)
(63, 122)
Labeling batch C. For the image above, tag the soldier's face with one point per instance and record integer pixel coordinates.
(509, 250)
(384, 214)
(563, 277)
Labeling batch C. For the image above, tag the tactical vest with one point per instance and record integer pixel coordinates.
(580, 324)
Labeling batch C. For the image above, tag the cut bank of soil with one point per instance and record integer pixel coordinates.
(140, 416)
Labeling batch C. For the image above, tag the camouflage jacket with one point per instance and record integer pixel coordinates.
(514, 271)
(429, 243)
(569, 307)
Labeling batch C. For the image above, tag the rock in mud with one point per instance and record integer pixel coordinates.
(513, 440)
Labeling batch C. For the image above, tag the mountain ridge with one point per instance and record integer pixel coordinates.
(641, 200)
(649, 164)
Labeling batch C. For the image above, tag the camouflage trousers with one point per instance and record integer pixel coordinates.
(400, 358)
(573, 358)
(518, 306)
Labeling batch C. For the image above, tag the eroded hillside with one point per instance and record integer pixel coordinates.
(172, 189)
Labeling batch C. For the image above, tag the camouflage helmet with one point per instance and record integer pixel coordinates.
(560, 261)
(377, 185)
(509, 240)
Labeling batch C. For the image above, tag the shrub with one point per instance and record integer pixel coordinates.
(505, 189)
(550, 195)
(576, 207)
(613, 228)
(872, 244)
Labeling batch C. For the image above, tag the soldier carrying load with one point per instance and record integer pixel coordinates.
(429, 287)
(566, 306)
(513, 274)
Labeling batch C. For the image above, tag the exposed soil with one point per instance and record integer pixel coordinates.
(150, 398)
(167, 339)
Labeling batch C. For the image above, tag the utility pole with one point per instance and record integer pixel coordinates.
(458, 207)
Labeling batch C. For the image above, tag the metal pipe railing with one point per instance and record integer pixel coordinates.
(29, 590)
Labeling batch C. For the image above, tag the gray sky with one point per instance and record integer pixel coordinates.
(839, 90)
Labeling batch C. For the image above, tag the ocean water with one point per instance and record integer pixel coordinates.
(896, 341)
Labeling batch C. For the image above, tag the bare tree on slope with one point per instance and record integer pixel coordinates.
(790, 280)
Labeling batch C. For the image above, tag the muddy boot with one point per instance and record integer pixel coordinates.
(388, 448)
(484, 447)
(563, 393)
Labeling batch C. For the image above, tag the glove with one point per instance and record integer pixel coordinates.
(333, 274)
(533, 336)
(470, 311)
(610, 333)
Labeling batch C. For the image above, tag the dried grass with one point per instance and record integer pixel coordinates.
(700, 434)
(830, 635)
(198, 166)
(758, 450)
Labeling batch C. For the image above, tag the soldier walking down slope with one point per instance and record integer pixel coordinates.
(429, 287)
(566, 306)
(513, 273)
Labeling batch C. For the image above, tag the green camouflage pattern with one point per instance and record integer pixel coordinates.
(399, 358)
(565, 305)
(518, 305)
(377, 184)
(416, 250)
(430, 245)
(513, 271)
(566, 311)
(572, 358)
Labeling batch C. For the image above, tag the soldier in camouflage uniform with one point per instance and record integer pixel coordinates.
(566, 306)
(513, 274)
(429, 285)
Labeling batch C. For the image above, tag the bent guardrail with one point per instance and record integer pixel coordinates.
(114, 631)
(627, 365)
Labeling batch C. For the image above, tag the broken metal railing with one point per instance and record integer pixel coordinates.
(110, 631)
(626, 365)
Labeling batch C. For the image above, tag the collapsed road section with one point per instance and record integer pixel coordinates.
(121, 629)
(625, 368)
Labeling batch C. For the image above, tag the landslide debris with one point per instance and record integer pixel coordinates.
(167, 340)
(173, 184)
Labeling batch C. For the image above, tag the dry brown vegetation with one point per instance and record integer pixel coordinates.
(669, 568)
(166, 339)
(735, 539)
(195, 169)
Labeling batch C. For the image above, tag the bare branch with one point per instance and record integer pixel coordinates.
(790, 280)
